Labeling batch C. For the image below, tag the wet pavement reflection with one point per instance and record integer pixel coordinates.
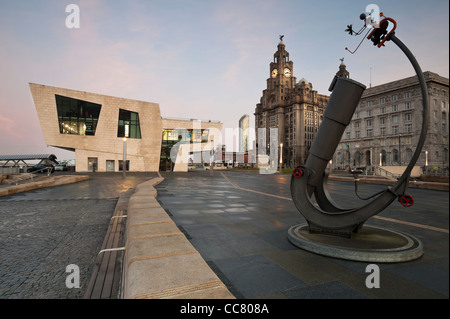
(238, 221)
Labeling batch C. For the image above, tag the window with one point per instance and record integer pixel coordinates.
(395, 129)
(369, 133)
(369, 112)
(394, 97)
(77, 116)
(407, 95)
(127, 165)
(173, 136)
(170, 137)
(394, 108)
(129, 126)
(408, 128)
(408, 117)
(382, 100)
(369, 122)
(407, 105)
(395, 119)
(357, 134)
(340, 158)
(382, 131)
(395, 156)
(383, 110)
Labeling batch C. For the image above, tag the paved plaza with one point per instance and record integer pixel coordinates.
(45, 230)
(237, 220)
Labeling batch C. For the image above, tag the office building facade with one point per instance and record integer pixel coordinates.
(104, 130)
(386, 125)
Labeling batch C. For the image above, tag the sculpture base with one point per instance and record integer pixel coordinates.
(371, 244)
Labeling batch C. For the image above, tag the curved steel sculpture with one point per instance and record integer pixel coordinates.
(311, 179)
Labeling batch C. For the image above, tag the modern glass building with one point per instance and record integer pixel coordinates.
(171, 137)
(76, 116)
(104, 130)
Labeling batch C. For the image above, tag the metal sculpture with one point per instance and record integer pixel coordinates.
(311, 179)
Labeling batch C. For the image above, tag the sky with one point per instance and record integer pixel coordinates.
(202, 59)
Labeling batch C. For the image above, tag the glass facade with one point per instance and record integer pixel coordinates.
(170, 137)
(129, 126)
(77, 116)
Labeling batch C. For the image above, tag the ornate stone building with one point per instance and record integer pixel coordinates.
(386, 125)
(292, 107)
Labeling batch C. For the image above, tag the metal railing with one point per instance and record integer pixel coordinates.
(31, 174)
(384, 172)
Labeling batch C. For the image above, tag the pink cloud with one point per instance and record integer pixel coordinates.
(7, 126)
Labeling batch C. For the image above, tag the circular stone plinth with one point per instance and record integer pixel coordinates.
(371, 244)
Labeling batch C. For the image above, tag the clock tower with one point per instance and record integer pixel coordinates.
(281, 72)
(295, 109)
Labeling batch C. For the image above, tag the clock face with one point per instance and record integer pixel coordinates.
(287, 72)
(274, 73)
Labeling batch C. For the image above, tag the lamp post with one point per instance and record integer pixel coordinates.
(281, 157)
(381, 163)
(124, 162)
(426, 162)
(211, 159)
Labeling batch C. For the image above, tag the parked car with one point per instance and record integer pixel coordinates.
(61, 167)
(42, 168)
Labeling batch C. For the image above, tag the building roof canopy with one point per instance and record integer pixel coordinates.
(29, 157)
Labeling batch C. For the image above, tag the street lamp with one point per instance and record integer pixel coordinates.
(426, 162)
(281, 157)
(381, 163)
(124, 162)
(211, 159)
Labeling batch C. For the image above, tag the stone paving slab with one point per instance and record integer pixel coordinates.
(44, 230)
(49, 182)
(160, 262)
(238, 222)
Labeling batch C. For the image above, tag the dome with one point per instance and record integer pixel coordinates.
(303, 81)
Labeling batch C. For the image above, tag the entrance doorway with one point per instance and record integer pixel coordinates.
(110, 166)
(92, 164)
